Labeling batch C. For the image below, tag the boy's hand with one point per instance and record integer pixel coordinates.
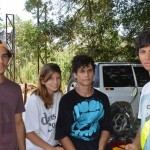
(131, 147)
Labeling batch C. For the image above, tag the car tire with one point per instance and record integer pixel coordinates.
(120, 120)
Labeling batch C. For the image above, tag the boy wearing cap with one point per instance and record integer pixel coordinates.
(12, 132)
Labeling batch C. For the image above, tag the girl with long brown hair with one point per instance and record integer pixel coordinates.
(42, 110)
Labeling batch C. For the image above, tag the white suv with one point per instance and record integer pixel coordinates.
(122, 83)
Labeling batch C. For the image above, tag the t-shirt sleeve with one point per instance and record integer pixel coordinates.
(62, 124)
(31, 116)
(107, 121)
(139, 112)
(20, 106)
(145, 91)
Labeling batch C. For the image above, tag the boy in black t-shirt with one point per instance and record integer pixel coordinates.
(84, 119)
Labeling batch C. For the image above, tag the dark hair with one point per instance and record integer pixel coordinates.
(142, 40)
(81, 60)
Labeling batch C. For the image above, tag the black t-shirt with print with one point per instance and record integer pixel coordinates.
(83, 118)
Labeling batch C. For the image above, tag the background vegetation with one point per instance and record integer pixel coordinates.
(60, 29)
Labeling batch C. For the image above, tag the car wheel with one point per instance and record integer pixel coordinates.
(120, 120)
(120, 123)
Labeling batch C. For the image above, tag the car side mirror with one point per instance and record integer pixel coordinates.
(134, 92)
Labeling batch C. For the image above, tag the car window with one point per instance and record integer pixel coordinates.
(141, 75)
(118, 76)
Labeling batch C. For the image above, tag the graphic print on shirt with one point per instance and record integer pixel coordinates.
(87, 115)
(49, 120)
(5, 116)
(145, 121)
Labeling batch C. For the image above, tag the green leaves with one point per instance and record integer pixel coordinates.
(64, 28)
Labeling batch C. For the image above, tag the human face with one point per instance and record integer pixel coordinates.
(53, 84)
(85, 75)
(4, 59)
(144, 55)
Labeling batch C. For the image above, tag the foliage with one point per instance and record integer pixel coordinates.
(133, 18)
(63, 58)
(89, 28)
(61, 29)
(26, 52)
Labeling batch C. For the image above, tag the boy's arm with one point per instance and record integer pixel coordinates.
(136, 143)
(103, 139)
(20, 131)
(137, 139)
(67, 144)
